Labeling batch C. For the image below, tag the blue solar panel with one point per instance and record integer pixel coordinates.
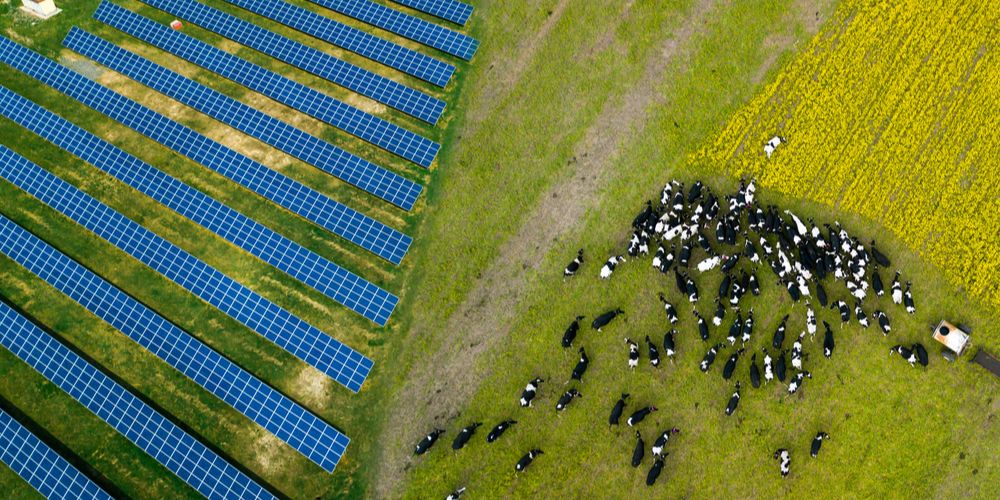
(360, 80)
(41, 467)
(290, 422)
(449, 10)
(377, 131)
(335, 282)
(189, 459)
(347, 37)
(358, 228)
(299, 338)
(402, 24)
(308, 148)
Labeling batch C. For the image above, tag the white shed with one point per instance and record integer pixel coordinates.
(40, 8)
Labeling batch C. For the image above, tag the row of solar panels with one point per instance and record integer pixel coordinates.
(301, 429)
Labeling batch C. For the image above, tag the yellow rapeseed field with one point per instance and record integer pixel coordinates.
(892, 113)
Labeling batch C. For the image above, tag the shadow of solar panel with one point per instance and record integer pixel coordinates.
(377, 131)
(449, 10)
(405, 25)
(347, 37)
(36, 463)
(189, 459)
(332, 280)
(362, 81)
(339, 219)
(306, 342)
(270, 409)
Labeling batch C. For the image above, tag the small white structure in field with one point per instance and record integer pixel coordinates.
(176, 25)
(773, 144)
(40, 8)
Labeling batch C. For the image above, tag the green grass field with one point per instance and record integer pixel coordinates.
(567, 120)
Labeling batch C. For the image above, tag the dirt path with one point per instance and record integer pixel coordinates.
(438, 387)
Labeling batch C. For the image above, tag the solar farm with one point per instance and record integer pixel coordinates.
(297, 248)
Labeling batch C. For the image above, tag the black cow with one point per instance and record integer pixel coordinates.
(526, 460)
(921, 352)
(603, 320)
(880, 257)
(570, 335)
(828, 343)
(574, 266)
(877, 284)
(654, 354)
(817, 443)
(709, 358)
(654, 472)
(529, 392)
(779, 366)
(734, 401)
(639, 415)
(754, 372)
(616, 411)
(463, 437)
(821, 294)
(786, 460)
(730, 366)
(499, 430)
(567, 398)
(428, 441)
(639, 451)
(581, 366)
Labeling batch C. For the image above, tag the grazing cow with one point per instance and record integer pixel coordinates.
(797, 352)
(668, 344)
(616, 411)
(735, 329)
(567, 398)
(633, 353)
(669, 309)
(603, 320)
(639, 451)
(880, 257)
(877, 283)
(779, 334)
(702, 327)
(428, 441)
(609, 267)
(725, 286)
(581, 366)
(797, 380)
(768, 370)
(905, 353)
(685, 255)
(695, 193)
(654, 354)
(730, 366)
(897, 290)
(659, 257)
(734, 401)
(754, 372)
(821, 294)
(642, 219)
(662, 441)
(455, 495)
(720, 313)
(828, 343)
(709, 358)
(654, 471)
(463, 437)
(498, 431)
(860, 314)
(747, 328)
(845, 311)
(730, 263)
(526, 460)
(529, 392)
(633, 245)
(750, 251)
(574, 266)
(710, 263)
(772, 145)
(570, 335)
(754, 284)
(639, 415)
(691, 289)
(817, 443)
(908, 300)
(921, 353)
(883, 322)
(680, 281)
(810, 320)
(786, 460)
(779, 367)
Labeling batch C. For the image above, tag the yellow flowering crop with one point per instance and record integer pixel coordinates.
(892, 113)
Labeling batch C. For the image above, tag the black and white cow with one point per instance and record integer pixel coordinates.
(734, 401)
(859, 313)
(581, 366)
(609, 266)
(654, 353)
(526, 460)
(905, 353)
(786, 460)
(603, 320)
(574, 266)
(639, 451)
(730, 366)
(754, 372)
(908, 300)
(662, 441)
(754, 284)
(709, 358)
(428, 441)
(702, 327)
(747, 328)
(464, 435)
(897, 290)
(530, 391)
(845, 311)
(810, 320)
(455, 495)
(883, 322)
(654, 471)
(735, 329)
(639, 415)
(570, 334)
(720, 313)
(828, 343)
(498, 430)
(669, 309)
(818, 443)
(797, 352)
(633, 353)
(668, 343)
(768, 368)
(796, 383)
(779, 334)
(567, 398)
(616, 411)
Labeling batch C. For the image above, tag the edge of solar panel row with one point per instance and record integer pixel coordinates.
(449, 10)
(40, 466)
(337, 218)
(350, 38)
(156, 435)
(403, 24)
(261, 403)
(325, 276)
(375, 130)
(310, 149)
(367, 83)
(304, 341)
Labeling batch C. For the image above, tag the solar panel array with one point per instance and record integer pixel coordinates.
(362, 81)
(347, 37)
(377, 131)
(335, 282)
(189, 459)
(405, 25)
(41, 467)
(341, 220)
(270, 409)
(449, 10)
(299, 338)
(317, 152)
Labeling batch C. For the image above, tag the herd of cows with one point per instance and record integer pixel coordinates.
(803, 258)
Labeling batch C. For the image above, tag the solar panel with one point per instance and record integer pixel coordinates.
(270, 409)
(405, 25)
(36, 463)
(335, 282)
(360, 80)
(341, 220)
(449, 10)
(347, 37)
(265, 318)
(377, 131)
(188, 458)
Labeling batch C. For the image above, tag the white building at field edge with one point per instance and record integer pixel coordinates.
(40, 8)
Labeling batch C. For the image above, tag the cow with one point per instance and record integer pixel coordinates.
(639, 415)
(669, 309)
(603, 320)
(817, 443)
(877, 283)
(654, 472)
(796, 382)
(921, 352)
(786, 461)
(747, 328)
(639, 451)
(654, 354)
(567, 398)
(662, 441)
(908, 300)
(633, 353)
(734, 401)
(897, 290)
(720, 313)
(797, 352)
(779, 334)
(455, 495)
(883, 322)
(779, 367)
(570, 334)
(810, 320)
(529, 392)
(526, 460)
(859, 312)
(768, 370)
(709, 358)
(702, 327)
(581, 366)
(668, 344)
(880, 258)
(845, 311)
(821, 294)
(828, 343)
(754, 284)
(616, 411)
(905, 353)
(463, 437)
(754, 372)
(498, 431)
(730, 366)
(609, 267)
(574, 266)
(735, 329)
(428, 441)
